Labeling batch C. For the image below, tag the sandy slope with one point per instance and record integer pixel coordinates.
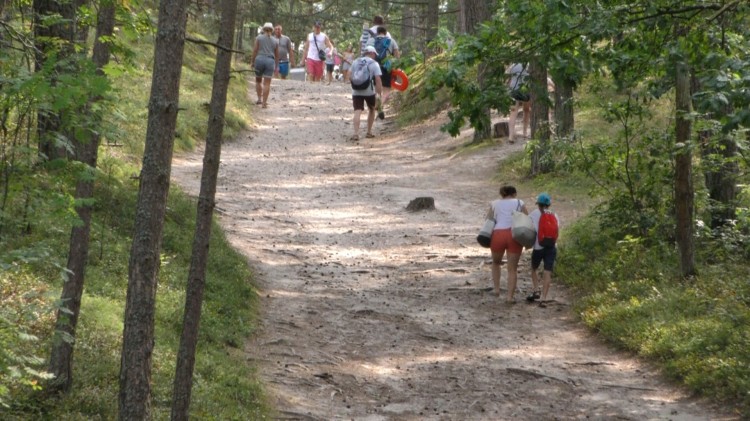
(371, 312)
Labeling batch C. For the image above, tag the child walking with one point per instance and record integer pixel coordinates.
(546, 223)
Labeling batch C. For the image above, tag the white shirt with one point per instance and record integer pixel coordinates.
(503, 209)
(536, 215)
(312, 51)
(374, 68)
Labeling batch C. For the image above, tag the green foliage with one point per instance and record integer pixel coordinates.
(37, 212)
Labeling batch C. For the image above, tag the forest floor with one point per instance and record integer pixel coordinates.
(372, 312)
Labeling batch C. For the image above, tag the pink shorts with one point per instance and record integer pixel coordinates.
(315, 68)
(502, 240)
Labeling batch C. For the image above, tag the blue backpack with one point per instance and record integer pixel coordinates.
(382, 44)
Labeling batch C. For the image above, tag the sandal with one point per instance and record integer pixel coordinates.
(543, 304)
(258, 102)
(533, 296)
(369, 135)
(354, 138)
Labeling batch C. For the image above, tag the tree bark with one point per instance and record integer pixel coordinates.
(721, 178)
(431, 26)
(45, 36)
(473, 13)
(61, 356)
(564, 117)
(540, 130)
(206, 201)
(684, 192)
(138, 332)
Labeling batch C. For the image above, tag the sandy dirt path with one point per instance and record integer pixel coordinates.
(370, 312)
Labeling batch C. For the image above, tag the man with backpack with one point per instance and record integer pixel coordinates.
(385, 46)
(366, 83)
(547, 225)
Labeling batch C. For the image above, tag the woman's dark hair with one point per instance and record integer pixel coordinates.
(506, 191)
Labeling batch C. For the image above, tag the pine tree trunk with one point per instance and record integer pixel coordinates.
(61, 356)
(206, 201)
(540, 130)
(138, 332)
(684, 192)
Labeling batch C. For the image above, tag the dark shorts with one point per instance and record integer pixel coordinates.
(359, 102)
(284, 68)
(547, 254)
(520, 95)
(385, 78)
(329, 67)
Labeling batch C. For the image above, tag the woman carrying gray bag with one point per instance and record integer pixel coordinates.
(502, 241)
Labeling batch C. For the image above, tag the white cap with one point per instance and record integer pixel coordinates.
(268, 25)
(370, 49)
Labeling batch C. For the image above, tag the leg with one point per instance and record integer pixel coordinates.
(512, 122)
(370, 120)
(513, 259)
(357, 116)
(547, 277)
(497, 259)
(526, 117)
(266, 90)
(259, 88)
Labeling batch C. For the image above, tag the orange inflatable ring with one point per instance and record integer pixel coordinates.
(399, 81)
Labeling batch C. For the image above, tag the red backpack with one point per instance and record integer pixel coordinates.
(548, 229)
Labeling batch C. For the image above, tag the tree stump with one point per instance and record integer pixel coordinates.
(500, 129)
(421, 203)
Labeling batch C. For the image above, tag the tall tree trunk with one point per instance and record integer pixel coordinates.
(431, 26)
(540, 130)
(206, 201)
(46, 36)
(684, 192)
(408, 27)
(61, 356)
(138, 332)
(564, 119)
(721, 178)
(474, 12)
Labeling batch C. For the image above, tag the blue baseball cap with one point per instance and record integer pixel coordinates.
(543, 199)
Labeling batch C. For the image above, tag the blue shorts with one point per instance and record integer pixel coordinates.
(547, 254)
(284, 68)
(265, 66)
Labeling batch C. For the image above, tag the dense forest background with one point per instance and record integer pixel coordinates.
(650, 122)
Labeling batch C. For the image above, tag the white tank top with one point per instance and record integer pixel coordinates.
(503, 209)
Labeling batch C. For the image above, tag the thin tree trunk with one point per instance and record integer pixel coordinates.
(540, 130)
(45, 40)
(684, 192)
(138, 332)
(206, 201)
(61, 356)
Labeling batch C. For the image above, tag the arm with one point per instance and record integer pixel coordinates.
(255, 51)
(307, 47)
(490, 213)
(329, 44)
(276, 58)
(291, 54)
(378, 85)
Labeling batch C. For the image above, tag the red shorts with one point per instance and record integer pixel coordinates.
(502, 240)
(315, 68)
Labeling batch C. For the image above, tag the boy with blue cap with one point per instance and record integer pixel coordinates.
(546, 224)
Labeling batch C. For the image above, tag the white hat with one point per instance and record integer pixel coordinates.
(370, 49)
(268, 25)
